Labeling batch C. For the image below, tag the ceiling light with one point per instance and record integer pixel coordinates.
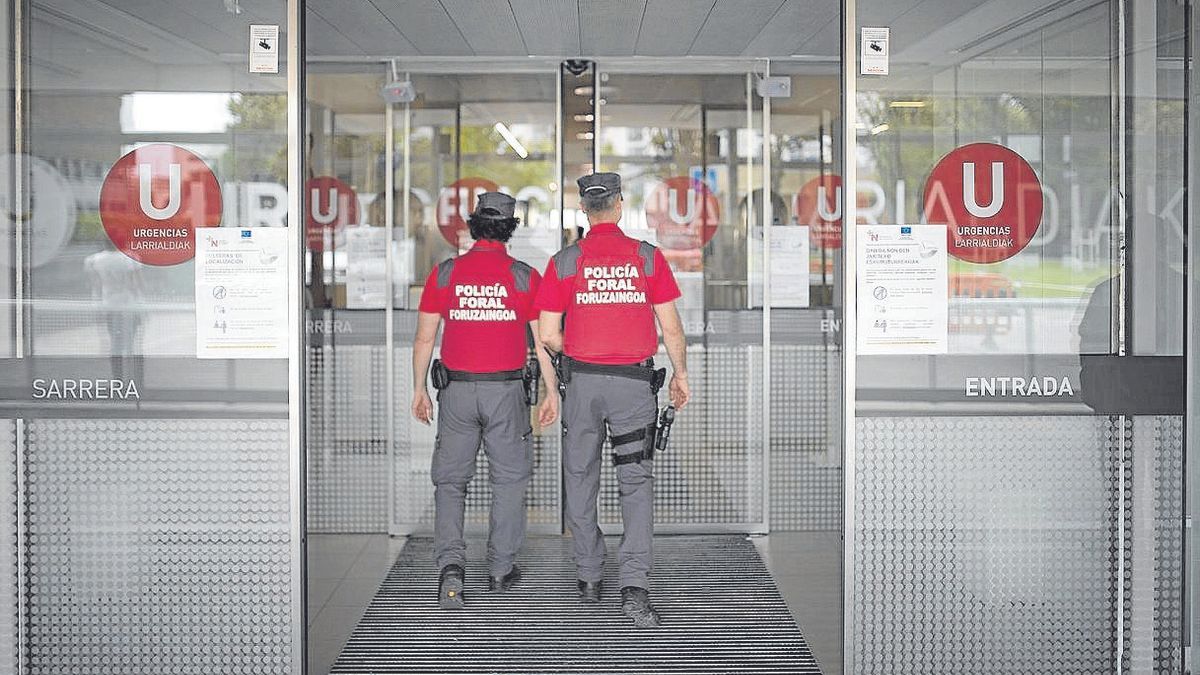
(907, 104)
(511, 140)
(880, 128)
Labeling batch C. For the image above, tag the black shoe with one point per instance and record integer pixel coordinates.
(450, 587)
(589, 591)
(635, 604)
(502, 584)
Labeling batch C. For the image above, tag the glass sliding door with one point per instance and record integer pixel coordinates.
(1019, 264)
(689, 147)
(471, 129)
(151, 509)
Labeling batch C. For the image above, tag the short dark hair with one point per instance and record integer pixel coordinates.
(496, 229)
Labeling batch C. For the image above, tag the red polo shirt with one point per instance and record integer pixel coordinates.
(485, 312)
(607, 286)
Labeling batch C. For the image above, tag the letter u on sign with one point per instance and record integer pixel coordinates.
(331, 210)
(146, 192)
(971, 197)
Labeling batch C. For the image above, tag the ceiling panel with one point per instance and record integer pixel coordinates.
(670, 26)
(426, 25)
(362, 24)
(322, 39)
(549, 27)
(731, 25)
(610, 27)
(826, 40)
(488, 26)
(172, 18)
(794, 24)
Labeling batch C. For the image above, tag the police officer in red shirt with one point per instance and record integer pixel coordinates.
(599, 300)
(485, 297)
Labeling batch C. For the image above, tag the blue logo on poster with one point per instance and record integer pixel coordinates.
(246, 234)
(905, 230)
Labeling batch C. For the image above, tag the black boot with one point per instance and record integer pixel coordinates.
(502, 584)
(635, 604)
(589, 591)
(450, 587)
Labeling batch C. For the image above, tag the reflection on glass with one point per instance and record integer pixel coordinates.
(89, 297)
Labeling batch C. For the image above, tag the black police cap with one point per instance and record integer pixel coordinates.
(599, 184)
(495, 205)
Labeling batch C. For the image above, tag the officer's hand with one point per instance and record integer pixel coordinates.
(679, 392)
(422, 407)
(548, 410)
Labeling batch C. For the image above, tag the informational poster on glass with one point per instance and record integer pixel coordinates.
(241, 293)
(902, 289)
(790, 275)
(366, 268)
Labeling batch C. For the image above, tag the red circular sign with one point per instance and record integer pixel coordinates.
(332, 205)
(684, 213)
(154, 198)
(990, 199)
(455, 204)
(819, 205)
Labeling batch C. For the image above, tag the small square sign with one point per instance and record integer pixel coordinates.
(873, 59)
(264, 48)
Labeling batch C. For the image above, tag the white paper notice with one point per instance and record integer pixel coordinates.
(241, 293)
(366, 267)
(789, 266)
(264, 48)
(875, 51)
(534, 245)
(902, 285)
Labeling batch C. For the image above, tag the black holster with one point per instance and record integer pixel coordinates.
(656, 383)
(654, 439)
(562, 371)
(662, 433)
(440, 375)
(530, 376)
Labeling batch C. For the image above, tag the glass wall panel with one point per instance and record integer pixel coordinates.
(1018, 463)
(150, 445)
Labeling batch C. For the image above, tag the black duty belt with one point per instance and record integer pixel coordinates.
(638, 371)
(498, 376)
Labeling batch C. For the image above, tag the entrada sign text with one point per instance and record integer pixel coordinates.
(1019, 386)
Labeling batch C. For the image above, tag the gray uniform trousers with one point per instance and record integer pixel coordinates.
(626, 405)
(496, 415)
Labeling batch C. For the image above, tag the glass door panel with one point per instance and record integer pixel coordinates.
(688, 146)
(1024, 473)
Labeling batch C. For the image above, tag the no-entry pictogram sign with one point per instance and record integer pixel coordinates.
(455, 204)
(684, 213)
(154, 198)
(332, 206)
(989, 198)
(818, 204)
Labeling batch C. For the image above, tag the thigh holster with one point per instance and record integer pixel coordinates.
(643, 436)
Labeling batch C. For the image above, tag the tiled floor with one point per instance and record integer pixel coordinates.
(345, 570)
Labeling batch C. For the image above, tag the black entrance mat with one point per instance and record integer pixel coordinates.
(720, 608)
